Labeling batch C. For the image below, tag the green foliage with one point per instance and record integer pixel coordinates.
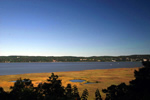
(140, 87)
(72, 93)
(69, 91)
(52, 89)
(3, 94)
(23, 90)
(84, 95)
(72, 59)
(115, 92)
(97, 95)
(75, 93)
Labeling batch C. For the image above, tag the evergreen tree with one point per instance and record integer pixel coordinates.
(75, 93)
(68, 92)
(52, 89)
(23, 90)
(84, 95)
(97, 95)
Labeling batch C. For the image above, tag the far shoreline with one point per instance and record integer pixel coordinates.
(70, 62)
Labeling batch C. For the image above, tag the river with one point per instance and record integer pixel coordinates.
(21, 68)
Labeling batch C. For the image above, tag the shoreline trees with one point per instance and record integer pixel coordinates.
(132, 58)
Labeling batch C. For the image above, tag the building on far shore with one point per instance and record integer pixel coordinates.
(54, 60)
(146, 59)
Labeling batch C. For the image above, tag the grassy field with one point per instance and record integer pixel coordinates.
(101, 79)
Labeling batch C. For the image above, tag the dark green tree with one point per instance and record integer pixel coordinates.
(140, 87)
(68, 92)
(23, 90)
(84, 95)
(75, 93)
(3, 95)
(98, 95)
(53, 89)
(116, 92)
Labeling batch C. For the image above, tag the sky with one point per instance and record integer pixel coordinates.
(74, 27)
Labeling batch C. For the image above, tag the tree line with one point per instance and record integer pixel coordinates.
(72, 58)
(138, 89)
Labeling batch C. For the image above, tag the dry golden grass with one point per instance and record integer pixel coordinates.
(104, 77)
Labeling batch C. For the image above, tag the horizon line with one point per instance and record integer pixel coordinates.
(74, 56)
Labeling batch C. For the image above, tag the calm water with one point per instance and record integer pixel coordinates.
(77, 80)
(21, 68)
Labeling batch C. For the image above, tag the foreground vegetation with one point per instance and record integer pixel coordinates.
(8, 59)
(101, 78)
(50, 90)
(137, 89)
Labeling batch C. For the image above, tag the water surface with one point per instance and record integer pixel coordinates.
(77, 80)
(21, 68)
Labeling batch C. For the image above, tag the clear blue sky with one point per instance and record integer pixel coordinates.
(74, 27)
